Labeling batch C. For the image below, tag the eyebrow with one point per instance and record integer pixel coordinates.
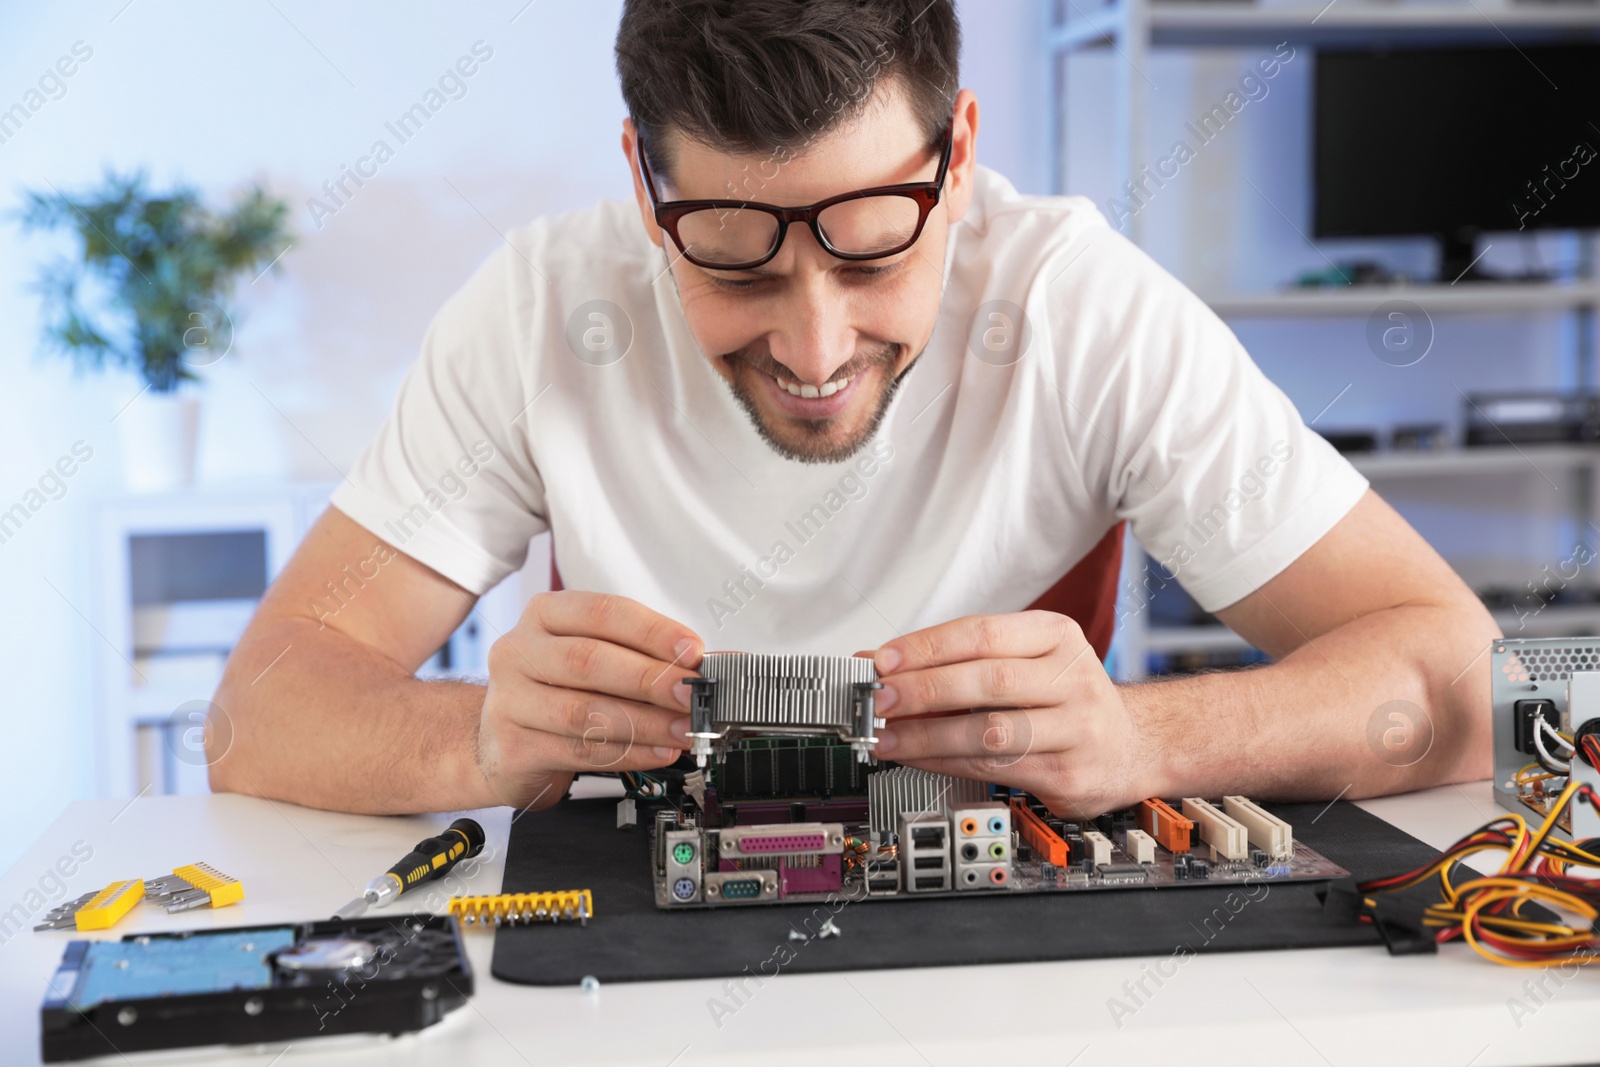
(748, 275)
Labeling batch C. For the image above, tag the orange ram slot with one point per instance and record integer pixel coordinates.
(1171, 830)
(1044, 840)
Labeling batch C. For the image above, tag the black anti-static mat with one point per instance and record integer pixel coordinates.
(576, 845)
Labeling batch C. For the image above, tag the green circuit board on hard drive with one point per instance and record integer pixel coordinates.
(796, 819)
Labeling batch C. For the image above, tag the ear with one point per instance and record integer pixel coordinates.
(630, 152)
(963, 156)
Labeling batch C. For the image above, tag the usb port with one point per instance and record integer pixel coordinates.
(923, 863)
(925, 881)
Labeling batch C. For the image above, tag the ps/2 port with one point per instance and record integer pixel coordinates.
(683, 852)
(683, 888)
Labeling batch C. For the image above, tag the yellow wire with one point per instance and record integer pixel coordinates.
(1464, 906)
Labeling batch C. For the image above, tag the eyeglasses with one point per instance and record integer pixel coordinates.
(742, 235)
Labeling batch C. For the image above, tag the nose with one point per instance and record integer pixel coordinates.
(815, 338)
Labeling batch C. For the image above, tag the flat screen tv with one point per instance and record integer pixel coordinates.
(1451, 142)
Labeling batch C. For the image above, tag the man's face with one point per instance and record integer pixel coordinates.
(813, 346)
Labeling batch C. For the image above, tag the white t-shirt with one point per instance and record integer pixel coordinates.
(1009, 451)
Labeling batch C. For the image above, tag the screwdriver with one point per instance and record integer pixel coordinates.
(428, 859)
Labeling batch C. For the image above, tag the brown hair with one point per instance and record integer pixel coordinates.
(770, 75)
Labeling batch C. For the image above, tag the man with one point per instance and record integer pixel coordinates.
(867, 397)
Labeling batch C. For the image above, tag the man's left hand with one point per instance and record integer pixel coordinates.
(1020, 700)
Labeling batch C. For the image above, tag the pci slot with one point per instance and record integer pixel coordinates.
(1098, 846)
(1267, 832)
(1226, 836)
(1158, 819)
(1043, 840)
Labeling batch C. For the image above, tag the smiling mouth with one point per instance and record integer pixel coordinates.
(829, 426)
(773, 395)
(812, 403)
(811, 392)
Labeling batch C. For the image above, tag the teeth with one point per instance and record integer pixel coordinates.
(812, 391)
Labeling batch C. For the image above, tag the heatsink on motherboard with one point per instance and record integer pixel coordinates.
(900, 790)
(742, 694)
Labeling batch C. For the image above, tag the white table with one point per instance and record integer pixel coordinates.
(1326, 1006)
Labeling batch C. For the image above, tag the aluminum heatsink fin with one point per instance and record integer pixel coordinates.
(785, 691)
(749, 694)
(908, 790)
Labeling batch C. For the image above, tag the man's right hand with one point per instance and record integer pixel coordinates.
(583, 682)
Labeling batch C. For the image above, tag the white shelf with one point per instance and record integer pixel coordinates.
(1557, 620)
(1134, 27)
(1553, 621)
(1093, 27)
(1169, 639)
(1471, 461)
(1228, 24)
(1468, 298)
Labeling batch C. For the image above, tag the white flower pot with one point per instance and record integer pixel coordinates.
(158, 432)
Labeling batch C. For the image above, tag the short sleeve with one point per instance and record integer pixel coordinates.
(1220, 479)
(449, 479)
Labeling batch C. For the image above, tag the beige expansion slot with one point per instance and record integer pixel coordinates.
(1141, 846)
(1099, 847)
(1222, 832)
(1266, 831)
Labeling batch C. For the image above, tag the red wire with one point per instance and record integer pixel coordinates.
(1538, 872)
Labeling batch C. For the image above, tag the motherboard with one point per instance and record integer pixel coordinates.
(790, 804)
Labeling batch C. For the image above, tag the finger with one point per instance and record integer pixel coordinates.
(977, 769)
(609, 743)
(581, 754)
(579, 715)
(535, 768)
(599, 666)
(981, 683)
(1017, 635)
(1004, 737)
(619, 620)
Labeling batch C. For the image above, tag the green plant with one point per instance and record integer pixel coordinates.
(161, 265)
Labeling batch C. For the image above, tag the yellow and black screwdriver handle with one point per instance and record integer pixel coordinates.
(436, 855)
(429, 858)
